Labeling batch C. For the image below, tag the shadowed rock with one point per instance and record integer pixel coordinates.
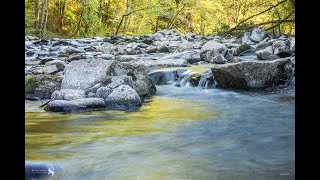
(252, 74)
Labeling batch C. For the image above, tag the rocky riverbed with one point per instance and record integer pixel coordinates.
(120, 73)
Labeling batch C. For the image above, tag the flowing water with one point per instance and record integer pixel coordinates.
(181, 133)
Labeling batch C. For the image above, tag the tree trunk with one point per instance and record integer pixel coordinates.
(41, 20)
(45, 18)
(36, 14)
(77, 28)
(62, 5)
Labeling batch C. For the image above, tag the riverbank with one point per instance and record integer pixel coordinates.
(118, 72)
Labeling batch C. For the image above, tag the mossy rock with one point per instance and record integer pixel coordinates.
(41, 86)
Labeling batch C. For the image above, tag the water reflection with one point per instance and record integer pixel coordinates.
(46, 131)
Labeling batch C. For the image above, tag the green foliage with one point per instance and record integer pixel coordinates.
(89, 18)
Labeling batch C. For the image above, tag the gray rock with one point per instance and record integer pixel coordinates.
(265, 43)
(152, 50)
(93, 88)
(72, 50)
(158, 37)
(91, 95)
(148, 41)
(241, 48)
(190, 56)
(68, 94)
(44, 60)
(117, 81)
(64, 106)
(162, 47)
(37, 71)
(91, 103)
(162, 63)
(50, 69)
(246, 38)
(258, 34)
(106, 56)
(41, 86)
(184, 47)
(252, 74)
(281, 49)
(103, 92)
(58, 63)
(75, 57)
(122, 98)
(219, 59)
(212, 49)
(107, 48)
(264, 54)
(190, 37)
(84, 74)
(126, 58)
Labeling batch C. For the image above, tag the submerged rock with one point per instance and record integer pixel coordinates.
(252, 74)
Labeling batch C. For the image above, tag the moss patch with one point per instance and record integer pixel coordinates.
(31, 82)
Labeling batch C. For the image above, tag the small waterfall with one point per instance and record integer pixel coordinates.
(195, 79)
(184, 77)
(292, 81)
(189, 78)
(207, 81)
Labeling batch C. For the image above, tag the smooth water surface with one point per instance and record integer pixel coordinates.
(182, 133)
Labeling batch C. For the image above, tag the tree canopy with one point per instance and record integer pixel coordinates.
(89, 18)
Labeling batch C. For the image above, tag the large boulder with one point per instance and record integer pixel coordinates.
(123, 98)
(84, 74)
(41, 86)
(212, 49)
(252, 74)
(76, 105)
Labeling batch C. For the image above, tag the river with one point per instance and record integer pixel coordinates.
(181, 133)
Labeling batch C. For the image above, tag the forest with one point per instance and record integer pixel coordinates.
(91, 18)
